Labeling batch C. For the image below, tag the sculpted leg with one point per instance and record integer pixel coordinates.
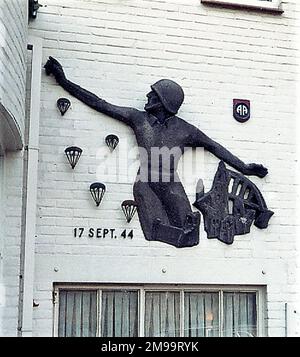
(183, 227)
(149, 208)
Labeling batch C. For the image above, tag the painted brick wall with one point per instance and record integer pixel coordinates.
(13, 41)
(11, 219)
(117, 50)
(2, 298)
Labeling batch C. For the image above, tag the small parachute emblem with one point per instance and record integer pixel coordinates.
(112, 141)
(63, 104)
(129, 208)
(73, 154)
(97, 190)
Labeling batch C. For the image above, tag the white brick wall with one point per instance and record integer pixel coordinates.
(13, 41)
(10, 241)
(2, 290)
(117, 49)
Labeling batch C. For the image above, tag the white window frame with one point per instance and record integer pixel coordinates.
(142, 289)
(274, 5)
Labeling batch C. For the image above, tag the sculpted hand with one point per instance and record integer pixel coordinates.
(54, 67)
(256, 169)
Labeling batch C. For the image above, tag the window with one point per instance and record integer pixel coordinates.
(158, 311)
(119, 315)
(77, 313)
(162, 314)
(269, 5)
(201, 312)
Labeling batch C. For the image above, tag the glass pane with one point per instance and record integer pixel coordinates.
(77, 313)
(201, 314)
(162, 313)
(119, 314)
(240, 314)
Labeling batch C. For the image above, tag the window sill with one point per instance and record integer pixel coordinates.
(235, 5)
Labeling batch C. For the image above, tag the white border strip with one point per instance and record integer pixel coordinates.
(31, 190)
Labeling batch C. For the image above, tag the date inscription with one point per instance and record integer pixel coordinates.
(102, 233)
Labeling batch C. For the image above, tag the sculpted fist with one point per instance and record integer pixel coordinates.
(54, 67)
(257, 170)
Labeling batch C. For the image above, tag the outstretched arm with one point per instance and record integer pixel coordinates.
(198, 138)
(124, 114)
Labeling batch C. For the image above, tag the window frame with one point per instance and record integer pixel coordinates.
(271, 6)
(182, 288)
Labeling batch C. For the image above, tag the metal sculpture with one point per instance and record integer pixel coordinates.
(112, 141)
(163, 207)
(129, 208)
(97, 190)
(73, 154)
(63, 104)
(231, 206)
(33, 6)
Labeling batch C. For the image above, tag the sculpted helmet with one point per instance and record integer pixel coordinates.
(170, 94)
